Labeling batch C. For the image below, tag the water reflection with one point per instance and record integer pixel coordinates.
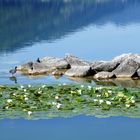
(23, 23)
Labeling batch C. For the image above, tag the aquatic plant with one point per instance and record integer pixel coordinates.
(67, 100)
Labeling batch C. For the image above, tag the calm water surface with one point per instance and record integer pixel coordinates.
(92, 30)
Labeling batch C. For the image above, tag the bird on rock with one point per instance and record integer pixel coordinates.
(38, 60)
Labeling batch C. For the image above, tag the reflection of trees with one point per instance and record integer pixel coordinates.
(26, 22)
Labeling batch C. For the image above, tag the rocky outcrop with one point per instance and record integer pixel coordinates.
(104, 75)
(123, 66)
(80, 71)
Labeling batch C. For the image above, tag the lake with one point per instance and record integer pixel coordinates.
(89, 29)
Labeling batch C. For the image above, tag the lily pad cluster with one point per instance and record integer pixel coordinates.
(66, 99)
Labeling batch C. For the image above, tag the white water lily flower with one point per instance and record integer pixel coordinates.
(82, 86)
(29, 86)
(30, 113)
(99, 88)
(56, 97)
(109, 91)
(43, 86)
(26, 99)
(9, 100)
(127, 105)
(24, 90)
(7, 107)
(98, 95)
(39, 92)
(89, 87)
(58, 105)
(21, 87)
(72, 91)
(95, 100)
(133, 101)
(108, 102)
(54, 103)
(79, 91)
(101, 101)
(132, 98)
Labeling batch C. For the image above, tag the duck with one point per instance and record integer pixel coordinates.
(13, 71)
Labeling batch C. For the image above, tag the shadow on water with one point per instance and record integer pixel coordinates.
(25, 22)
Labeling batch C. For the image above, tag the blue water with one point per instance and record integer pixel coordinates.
(92, 30)
(79, 128)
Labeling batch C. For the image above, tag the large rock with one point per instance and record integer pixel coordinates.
(123, 57)
(104, 75)
(105, 66)
(127, 69)
(80, 71)
(138, 72)
(25, 67)
(75, 61)
(58, 63)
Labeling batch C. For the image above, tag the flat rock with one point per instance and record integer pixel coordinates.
(75, 61)
(79, 71)
(105, 66)
(127, 69)
(104, 75)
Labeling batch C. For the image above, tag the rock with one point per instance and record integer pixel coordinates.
(127, 69)
(25, 67)
(96, 63)
(104, 75)
(80, 71)
(58, 63)
(138, 72)
(123, 57)
(106, 66)
(75, 61)
(57, 72)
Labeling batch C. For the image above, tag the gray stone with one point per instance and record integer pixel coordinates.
(75, 61)
(138, 72)
(96, 63)
(104, 75)
(58, 63)
(106, 66)
(127, 69)
(123, 57)
(80, 71)
(25, 67)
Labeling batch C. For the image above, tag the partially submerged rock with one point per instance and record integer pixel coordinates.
(75, 61)
(80, 71)
(104, 75)
(127, 69)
